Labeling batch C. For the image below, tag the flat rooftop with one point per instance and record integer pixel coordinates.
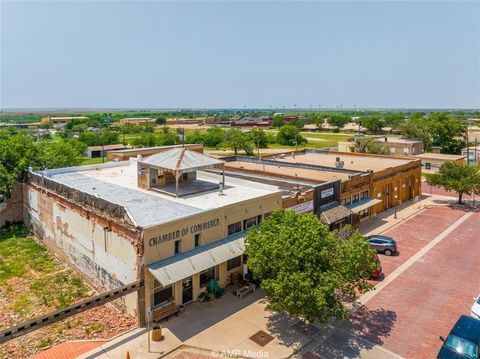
(351, 162)
(318, 176)
(440, 156)
(116, 182)
(399, 140)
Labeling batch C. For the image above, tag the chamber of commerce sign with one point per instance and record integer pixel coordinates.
(194, 228)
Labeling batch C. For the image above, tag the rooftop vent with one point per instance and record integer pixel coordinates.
(338, 163)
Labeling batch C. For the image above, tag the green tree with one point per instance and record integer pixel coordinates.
(338, 120)
(305, 269)
(373, 123)
(394, 120)
(238, 140)
(59, 154)
(99, 138)
(369, 145)
(278, 121)
(17, 152)
(259, 138)
(214, 137)
(161, 121)
(447, 132)
(290, 136)
(456, 176)
(417, 127)
(146, 140)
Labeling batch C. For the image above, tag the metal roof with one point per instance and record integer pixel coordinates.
(181, 160)
(183, 265)
(332, 212)
(363, 204)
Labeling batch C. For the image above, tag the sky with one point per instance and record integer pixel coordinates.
(226, 54)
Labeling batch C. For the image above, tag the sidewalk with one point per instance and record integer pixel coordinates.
(136, 343)
(387, 220)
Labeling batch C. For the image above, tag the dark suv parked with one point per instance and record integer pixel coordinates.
(383, 244)
(463, 340)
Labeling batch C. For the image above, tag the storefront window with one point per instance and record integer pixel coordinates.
(161, 294)
(234, 228)
(177, 247)
(250, 222)
(206, 275)
(234, 263)
(197, 239)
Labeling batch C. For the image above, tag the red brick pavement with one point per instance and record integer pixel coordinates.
(427, 189)
(69, 350)
(408, 315)
(417, 232)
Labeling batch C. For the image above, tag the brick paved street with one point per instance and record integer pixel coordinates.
(425, 300)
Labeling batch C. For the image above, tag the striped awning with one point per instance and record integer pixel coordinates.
(183, 265)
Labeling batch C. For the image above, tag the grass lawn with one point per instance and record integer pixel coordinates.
(92, 161)
(48, 284)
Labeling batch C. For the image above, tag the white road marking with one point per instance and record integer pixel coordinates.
(390, 278)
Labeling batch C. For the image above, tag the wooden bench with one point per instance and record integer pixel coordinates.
(246, 290)
(165, 312)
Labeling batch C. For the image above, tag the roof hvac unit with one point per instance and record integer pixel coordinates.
(338, 163)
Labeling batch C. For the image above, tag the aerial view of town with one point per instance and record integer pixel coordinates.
(239, 179)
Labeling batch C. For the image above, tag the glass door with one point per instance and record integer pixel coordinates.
(187, 290)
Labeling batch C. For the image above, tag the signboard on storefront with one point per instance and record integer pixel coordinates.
(302, 207)
(327, 193)
(195, 228)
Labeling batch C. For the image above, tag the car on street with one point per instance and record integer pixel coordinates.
(383, 244)
(475, 310)
(463, 340)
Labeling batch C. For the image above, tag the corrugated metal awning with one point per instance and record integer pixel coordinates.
(363, 204)
(183, 265)
(333, 212)
(181, 160)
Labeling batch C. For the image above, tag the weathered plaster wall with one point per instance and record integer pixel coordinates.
(106, 253)
(11, 210)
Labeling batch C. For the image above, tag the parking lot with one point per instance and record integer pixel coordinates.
(426, 286)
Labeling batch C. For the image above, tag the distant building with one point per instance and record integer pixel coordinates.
(101, 151)
(473, 154)
(59, 122)
(137, 120)
(399, 147)
(432, 161)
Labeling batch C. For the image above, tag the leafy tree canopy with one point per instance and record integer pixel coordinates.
(369, 145)
(373, 123)
(305, 269)
(278, 121)
(238, 140)
(456, 176)
(290, 136)
(338, 120)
